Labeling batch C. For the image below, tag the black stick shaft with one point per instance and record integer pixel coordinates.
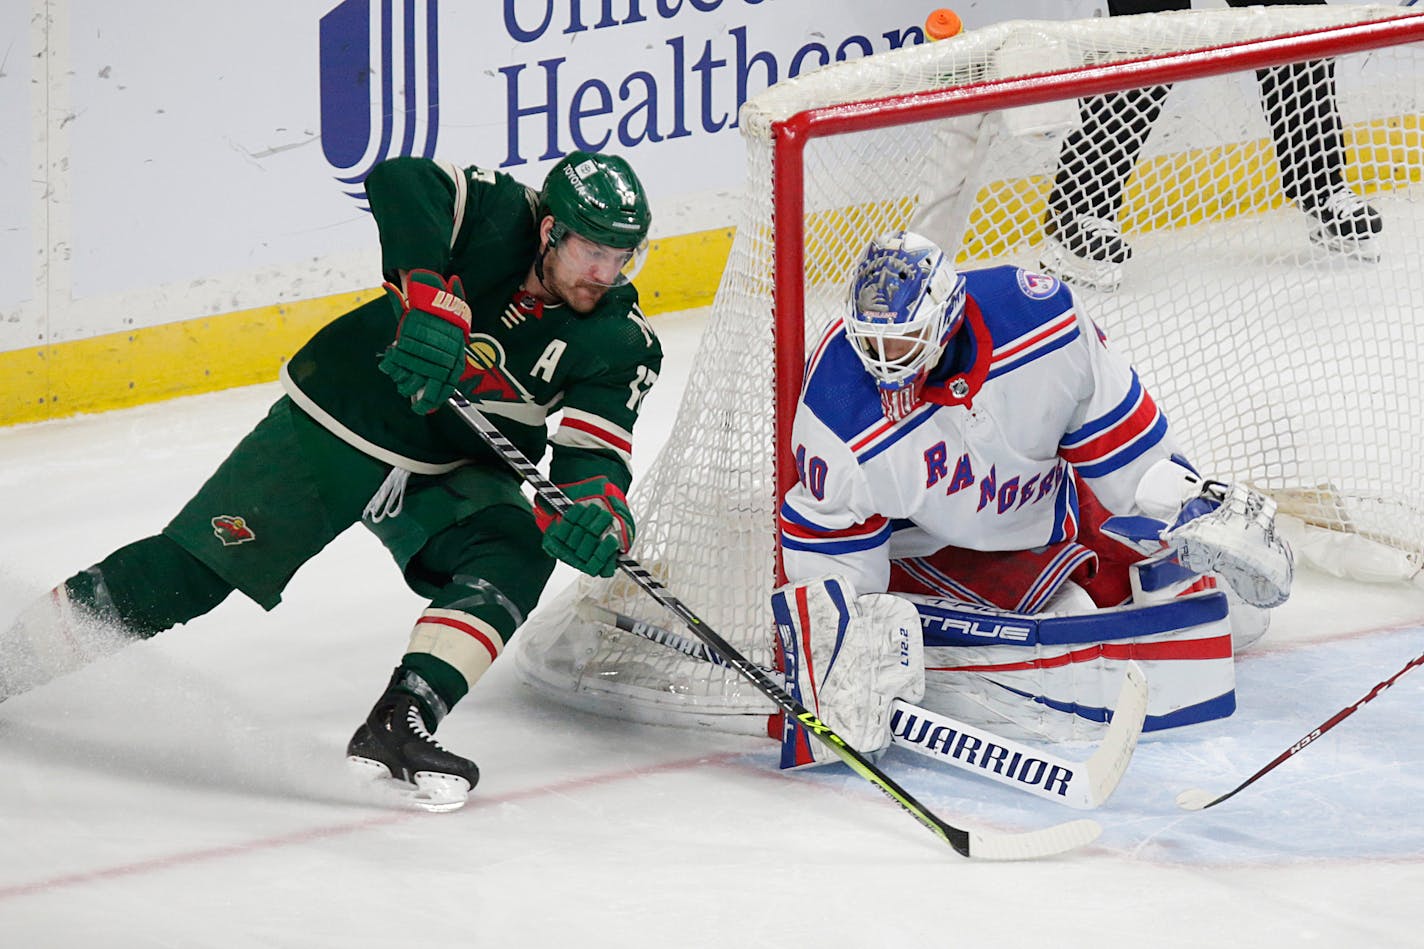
(555, 498)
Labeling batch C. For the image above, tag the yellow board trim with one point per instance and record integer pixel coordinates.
(248, 347)
(121, 370)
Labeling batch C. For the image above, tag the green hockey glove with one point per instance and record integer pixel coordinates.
(428, 355)
(593, 532)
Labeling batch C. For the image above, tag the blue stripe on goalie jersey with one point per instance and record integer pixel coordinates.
(1107, 420)
(1128, 453)
(1028, 357)
(908, 424)
(837, 546)
(830, 544)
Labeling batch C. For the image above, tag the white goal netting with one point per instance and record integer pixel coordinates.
(1280, 359)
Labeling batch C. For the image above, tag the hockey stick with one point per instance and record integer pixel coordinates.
(1083, 785)
(1196, 799)
(990, 846)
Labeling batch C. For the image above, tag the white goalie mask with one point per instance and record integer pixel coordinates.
(906, 301)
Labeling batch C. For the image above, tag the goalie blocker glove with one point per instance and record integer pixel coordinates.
(591, 534)
(846, 659)
(428, 355)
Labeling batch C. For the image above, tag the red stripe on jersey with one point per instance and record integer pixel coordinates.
(465, 628)
(1036, 339)
(1114, 438)
(868, 526)
(826, 338)
(602, 434)
(874, 433)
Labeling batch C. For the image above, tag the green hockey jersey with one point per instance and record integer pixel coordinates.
(525, 360)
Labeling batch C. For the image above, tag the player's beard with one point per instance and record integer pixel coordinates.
(581, 295)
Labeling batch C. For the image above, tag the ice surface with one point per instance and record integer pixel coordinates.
(190, 791)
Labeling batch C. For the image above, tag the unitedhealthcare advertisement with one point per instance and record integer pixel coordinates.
(167, 162)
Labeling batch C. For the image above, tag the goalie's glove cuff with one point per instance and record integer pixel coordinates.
(591, 534)
(427, 357)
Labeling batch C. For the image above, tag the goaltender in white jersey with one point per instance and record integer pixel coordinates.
(970, 443)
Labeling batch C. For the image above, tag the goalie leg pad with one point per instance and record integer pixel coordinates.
(1056, 677)
(1163, 578)
(846, 659)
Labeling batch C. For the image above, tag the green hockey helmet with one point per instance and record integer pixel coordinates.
(600, 200)
(598, 197)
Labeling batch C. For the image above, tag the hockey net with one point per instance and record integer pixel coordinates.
(1279, 360)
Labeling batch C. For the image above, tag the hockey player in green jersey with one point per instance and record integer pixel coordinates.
(519, 299)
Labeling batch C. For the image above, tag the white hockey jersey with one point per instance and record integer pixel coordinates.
(1027, 392)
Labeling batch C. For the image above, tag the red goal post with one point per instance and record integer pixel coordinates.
(1277, 362)
(790, 137)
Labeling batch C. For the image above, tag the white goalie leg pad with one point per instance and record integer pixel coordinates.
(1056, 677)
(846, 659)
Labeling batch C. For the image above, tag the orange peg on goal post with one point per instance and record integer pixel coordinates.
(942, 24)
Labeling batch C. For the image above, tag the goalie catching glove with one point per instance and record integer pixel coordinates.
(591, 534)
(428, 355)
(1225, 529)
(847, 659)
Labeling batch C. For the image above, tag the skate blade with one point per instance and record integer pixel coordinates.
(436, 793)
(1364, 250)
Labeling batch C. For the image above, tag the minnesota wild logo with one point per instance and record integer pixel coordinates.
(232, 530)
(486, 377)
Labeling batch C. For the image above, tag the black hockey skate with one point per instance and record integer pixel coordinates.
(394, 745)
(1344, 224)
(1085, 251)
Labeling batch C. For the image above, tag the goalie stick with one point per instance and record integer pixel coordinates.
(1197, 799)
(968, 843)
(1083, 785)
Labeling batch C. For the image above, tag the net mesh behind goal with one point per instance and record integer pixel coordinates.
(1279, 358)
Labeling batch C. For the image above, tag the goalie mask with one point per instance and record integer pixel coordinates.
(601, 216)
(906, 301)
